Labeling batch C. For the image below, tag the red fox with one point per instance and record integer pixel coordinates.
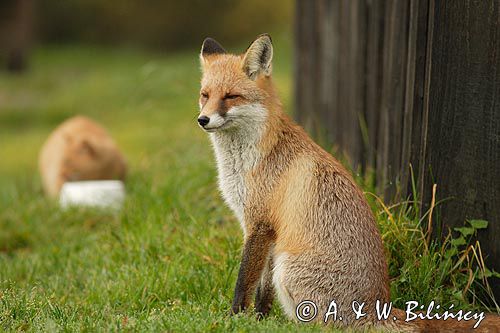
(79, 149)
(309, 233)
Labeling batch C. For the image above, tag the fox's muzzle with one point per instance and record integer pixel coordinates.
(211, 122)
(203, 121)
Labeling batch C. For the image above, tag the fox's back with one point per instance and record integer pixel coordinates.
(313, 202)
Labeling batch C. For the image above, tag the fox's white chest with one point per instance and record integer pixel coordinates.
(237, 154)
(236, 157)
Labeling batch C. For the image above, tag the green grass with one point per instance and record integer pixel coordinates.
(168, 260)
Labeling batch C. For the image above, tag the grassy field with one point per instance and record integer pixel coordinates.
(168, 260)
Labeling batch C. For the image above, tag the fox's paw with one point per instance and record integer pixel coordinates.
(237, 308)
(262, 310)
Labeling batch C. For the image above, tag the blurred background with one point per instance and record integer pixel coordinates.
(152, 24)
(128, 64)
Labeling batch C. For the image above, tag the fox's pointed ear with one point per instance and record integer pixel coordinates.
(258, 57)
(210, 46)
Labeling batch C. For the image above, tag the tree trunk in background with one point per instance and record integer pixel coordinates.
(16, 30)
(393, 83)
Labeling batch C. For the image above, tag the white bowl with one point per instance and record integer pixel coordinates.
(94, 193)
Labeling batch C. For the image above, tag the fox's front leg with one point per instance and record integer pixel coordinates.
(264, 295)
(255, 253)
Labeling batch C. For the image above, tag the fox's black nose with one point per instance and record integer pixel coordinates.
(203, 121)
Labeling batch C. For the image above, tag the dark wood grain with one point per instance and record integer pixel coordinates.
(373, 77)
(463, 129)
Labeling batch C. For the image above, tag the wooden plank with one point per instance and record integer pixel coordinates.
(393, 94)
(357, 42)
(304, 63)
(413, 125)
(322, 123)
(420, 155)
(328, 69)
(308, 71)
(344, 76)
(373, 76)
(348, 66)
(407, 130)
(423, 66)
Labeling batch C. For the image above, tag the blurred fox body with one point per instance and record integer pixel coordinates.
(309, 232)
(79, 149)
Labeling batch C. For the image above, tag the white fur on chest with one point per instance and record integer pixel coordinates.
(237, 153)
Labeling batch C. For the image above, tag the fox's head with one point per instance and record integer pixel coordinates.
(234, 87)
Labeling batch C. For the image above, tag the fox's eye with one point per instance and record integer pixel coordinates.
(204, 94)
(231, 96)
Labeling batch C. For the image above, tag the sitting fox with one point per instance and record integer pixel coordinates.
(79, 149)
(309, 233)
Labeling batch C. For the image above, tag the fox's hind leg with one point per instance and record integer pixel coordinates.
(288, 304)
(299, 287)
